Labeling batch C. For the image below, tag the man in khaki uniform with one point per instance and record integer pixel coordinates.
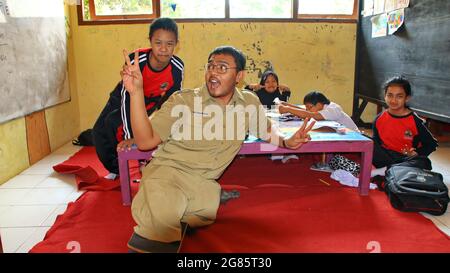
(199, 132)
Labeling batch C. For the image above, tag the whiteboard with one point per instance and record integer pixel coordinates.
(33, 56)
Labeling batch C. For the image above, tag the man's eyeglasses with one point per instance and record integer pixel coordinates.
(219, 68)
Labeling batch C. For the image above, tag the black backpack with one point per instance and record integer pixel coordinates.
(84, 139)
(413, 189)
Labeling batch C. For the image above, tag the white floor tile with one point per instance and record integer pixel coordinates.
(444, 229)
(13, 238)
(74, 196)
(437, 222)
(23, 181)
(51, 160)
(68, 149)
(58, 181)
(37, 236)
(25, 216)
(444, 219)
(38, 170)
(51, 219)
(12, 196)
(46, 196)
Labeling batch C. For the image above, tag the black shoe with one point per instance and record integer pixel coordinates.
(379, 180)
(139, 244)
(227, 195)
(186, 230)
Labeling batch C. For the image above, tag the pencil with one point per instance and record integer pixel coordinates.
(326, 183)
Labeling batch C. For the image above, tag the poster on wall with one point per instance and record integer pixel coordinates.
(379, 25)
(395, 20)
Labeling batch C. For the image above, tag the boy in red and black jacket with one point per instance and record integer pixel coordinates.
(162, 74)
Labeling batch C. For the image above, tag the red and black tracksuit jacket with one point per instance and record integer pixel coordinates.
(114, 125)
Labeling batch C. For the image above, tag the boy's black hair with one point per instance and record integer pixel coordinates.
(315, 97)
(400, 81)
(239, 57)
(266, 74)
(163, 23)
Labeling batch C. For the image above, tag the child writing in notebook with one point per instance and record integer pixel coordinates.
(398, 133)
(319, 107)
(269, 88)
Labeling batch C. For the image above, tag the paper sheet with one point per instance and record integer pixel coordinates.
(395, 20)
(378, 6)
(379, 25)
(368, 8)
(402, 4)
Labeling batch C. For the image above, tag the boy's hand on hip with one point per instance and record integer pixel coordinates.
(125, 145)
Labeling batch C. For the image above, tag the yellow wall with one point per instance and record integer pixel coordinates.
(63, 123)
(13, 149)
(307, 56)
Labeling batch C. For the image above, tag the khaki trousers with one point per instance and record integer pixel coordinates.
(168, 196)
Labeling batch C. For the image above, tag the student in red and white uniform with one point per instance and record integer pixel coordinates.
(398, 133)
(162, 75)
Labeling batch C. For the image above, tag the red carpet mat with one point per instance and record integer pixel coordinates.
(282, 208)
(88, 170)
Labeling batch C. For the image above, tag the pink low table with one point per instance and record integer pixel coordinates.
(321, 142)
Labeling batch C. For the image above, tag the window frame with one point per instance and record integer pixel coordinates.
(124, 17)
(146, 18)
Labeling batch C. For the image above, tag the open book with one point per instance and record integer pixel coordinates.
(327, 125)
(320, 126)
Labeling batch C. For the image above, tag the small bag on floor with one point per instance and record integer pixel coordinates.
(339, 162)
(412, 189)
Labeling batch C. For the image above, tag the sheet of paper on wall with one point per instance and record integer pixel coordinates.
(395, 20)
(390, 5)
(368, 8)
(402, 4)
(378, 6)
(379, 25)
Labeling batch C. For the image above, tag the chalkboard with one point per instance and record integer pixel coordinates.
(419, 50)
(33, 56)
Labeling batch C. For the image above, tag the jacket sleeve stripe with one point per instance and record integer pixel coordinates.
(123, 113)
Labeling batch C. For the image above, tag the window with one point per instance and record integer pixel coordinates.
(193, 8)
(261, 9)
(120, 9)
(114, 11)
(327, 9)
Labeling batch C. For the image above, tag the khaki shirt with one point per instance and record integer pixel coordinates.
(202, 137)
